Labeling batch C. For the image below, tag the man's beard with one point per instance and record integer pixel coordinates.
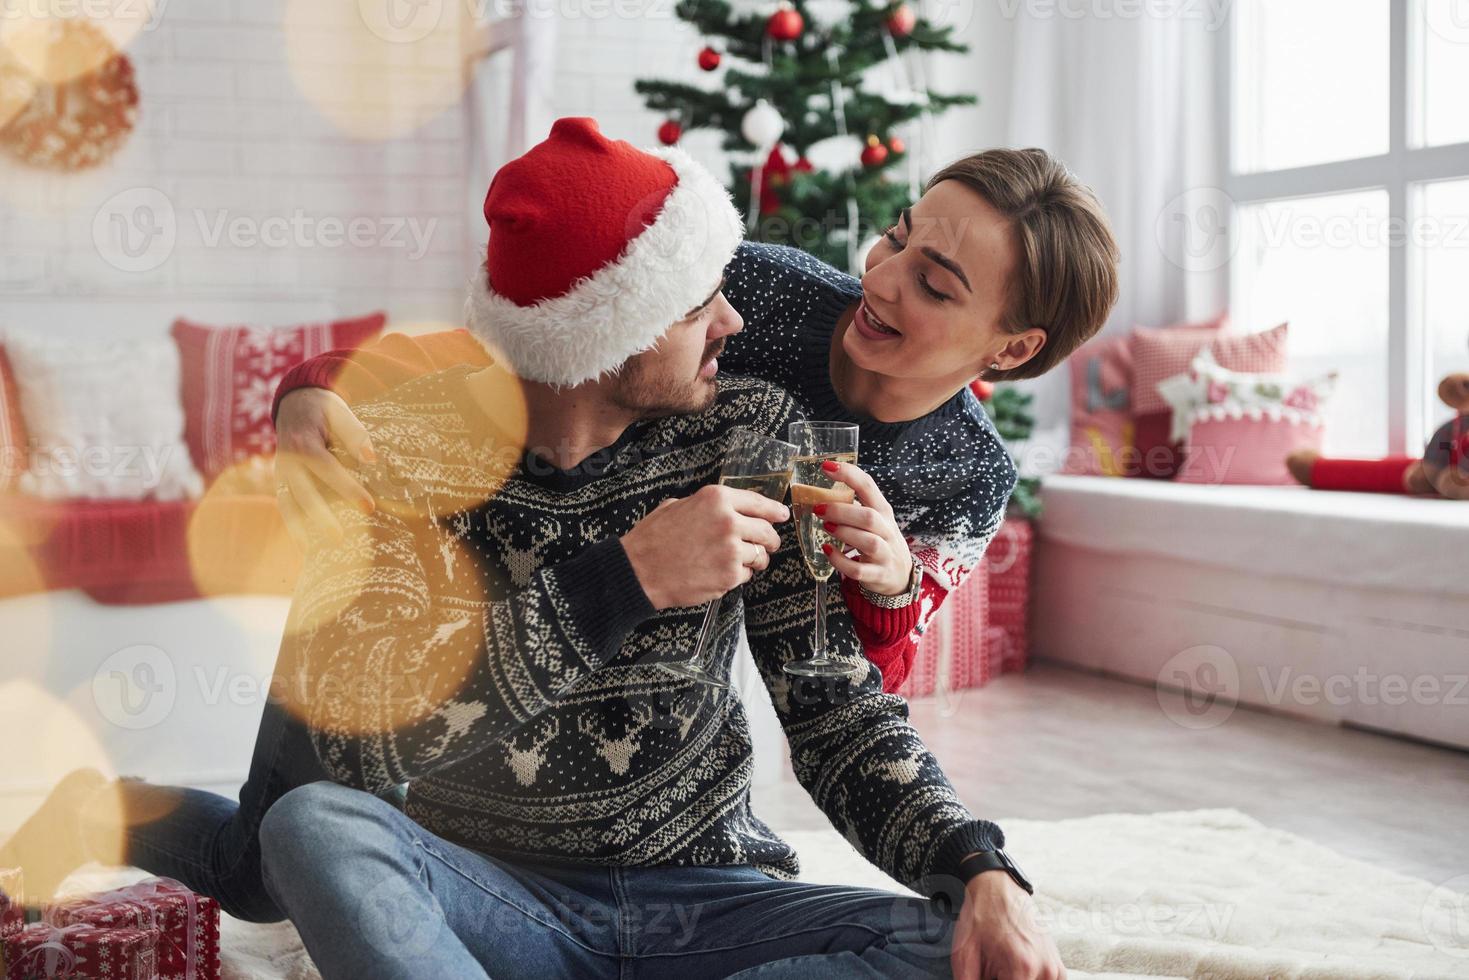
(639, 390)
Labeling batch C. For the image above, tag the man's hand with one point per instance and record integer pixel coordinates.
(998, 937)
(694, 549)
(307, 422)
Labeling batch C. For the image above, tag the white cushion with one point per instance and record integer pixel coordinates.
(104, 418)
(1365, 539)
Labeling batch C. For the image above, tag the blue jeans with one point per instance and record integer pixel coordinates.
(375, 895)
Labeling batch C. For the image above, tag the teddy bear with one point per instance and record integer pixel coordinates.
(1442, 469)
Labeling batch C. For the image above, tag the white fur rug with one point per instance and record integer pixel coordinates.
(1206, 893)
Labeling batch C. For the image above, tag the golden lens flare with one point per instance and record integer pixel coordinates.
(379, 634)
(373, 76)
(238, 544)
(58, 740)
(20, 535)
(55, 42)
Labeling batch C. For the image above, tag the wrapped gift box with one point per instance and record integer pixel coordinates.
(980, 631)
(12, 902)
(1008, 562)
(42, 951)
(188, 945)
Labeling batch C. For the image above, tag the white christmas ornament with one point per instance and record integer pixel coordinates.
(762, 125)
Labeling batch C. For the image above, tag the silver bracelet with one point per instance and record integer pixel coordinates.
(902, 599)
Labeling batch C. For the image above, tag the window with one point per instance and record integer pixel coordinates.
(1347, 143)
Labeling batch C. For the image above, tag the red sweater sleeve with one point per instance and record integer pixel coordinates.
(886, 634)
(361, 373)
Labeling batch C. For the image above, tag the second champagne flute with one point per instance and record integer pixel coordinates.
(816, 443)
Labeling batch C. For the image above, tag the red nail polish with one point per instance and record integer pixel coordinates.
(829, 526)
(819, 510)
(829, 465)
(826, 548)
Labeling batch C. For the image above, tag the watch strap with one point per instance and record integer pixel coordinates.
(976, 864)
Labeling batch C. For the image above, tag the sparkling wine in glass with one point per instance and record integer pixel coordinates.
(816, 443)
(754, 462)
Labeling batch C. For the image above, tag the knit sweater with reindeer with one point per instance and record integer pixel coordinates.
(483, 637)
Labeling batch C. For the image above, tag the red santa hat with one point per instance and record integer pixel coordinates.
(596, 248)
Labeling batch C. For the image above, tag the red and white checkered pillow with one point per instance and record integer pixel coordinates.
(1160, 354)
(230, 376)
(12, 428)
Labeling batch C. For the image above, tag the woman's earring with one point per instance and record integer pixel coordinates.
(994, 365)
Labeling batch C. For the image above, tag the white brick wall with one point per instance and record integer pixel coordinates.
(226, 129)
(226, 133)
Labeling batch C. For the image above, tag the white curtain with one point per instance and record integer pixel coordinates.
(508, 104)
(1129, 104)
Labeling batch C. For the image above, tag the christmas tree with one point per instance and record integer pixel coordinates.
(790, 82)
(1009, 408)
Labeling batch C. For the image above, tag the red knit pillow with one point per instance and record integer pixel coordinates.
(1160, 354)
(12, 428)
(229, 380)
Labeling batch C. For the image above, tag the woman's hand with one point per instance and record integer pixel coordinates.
(308, 421)
(883, 564)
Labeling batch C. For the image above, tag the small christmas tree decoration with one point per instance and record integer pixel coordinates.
(861, 71)
(786, 24)
(670, 132)
(709, 59)
(874, 154)
(900, 22)
(1010, 409)
(762, 125)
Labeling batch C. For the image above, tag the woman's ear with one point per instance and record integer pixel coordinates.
(1021, 347)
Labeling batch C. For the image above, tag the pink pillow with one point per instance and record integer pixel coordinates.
(1227, 444)
(1160, 354)
(13, 456)
(229, 380)
(1101, 409)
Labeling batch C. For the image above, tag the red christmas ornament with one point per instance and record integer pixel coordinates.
(669, 133)
(786, 24)
(982, 389)
(874, 153)
(902, 21)
(897, 145)
(708, 59)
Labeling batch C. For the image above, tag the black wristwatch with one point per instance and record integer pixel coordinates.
(995, 860)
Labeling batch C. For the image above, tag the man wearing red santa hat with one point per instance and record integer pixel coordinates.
(489, 634)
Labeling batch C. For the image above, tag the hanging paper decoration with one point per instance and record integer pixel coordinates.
(78, 123)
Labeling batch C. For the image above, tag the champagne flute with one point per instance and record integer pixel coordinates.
(817, 442)
(754, 462)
